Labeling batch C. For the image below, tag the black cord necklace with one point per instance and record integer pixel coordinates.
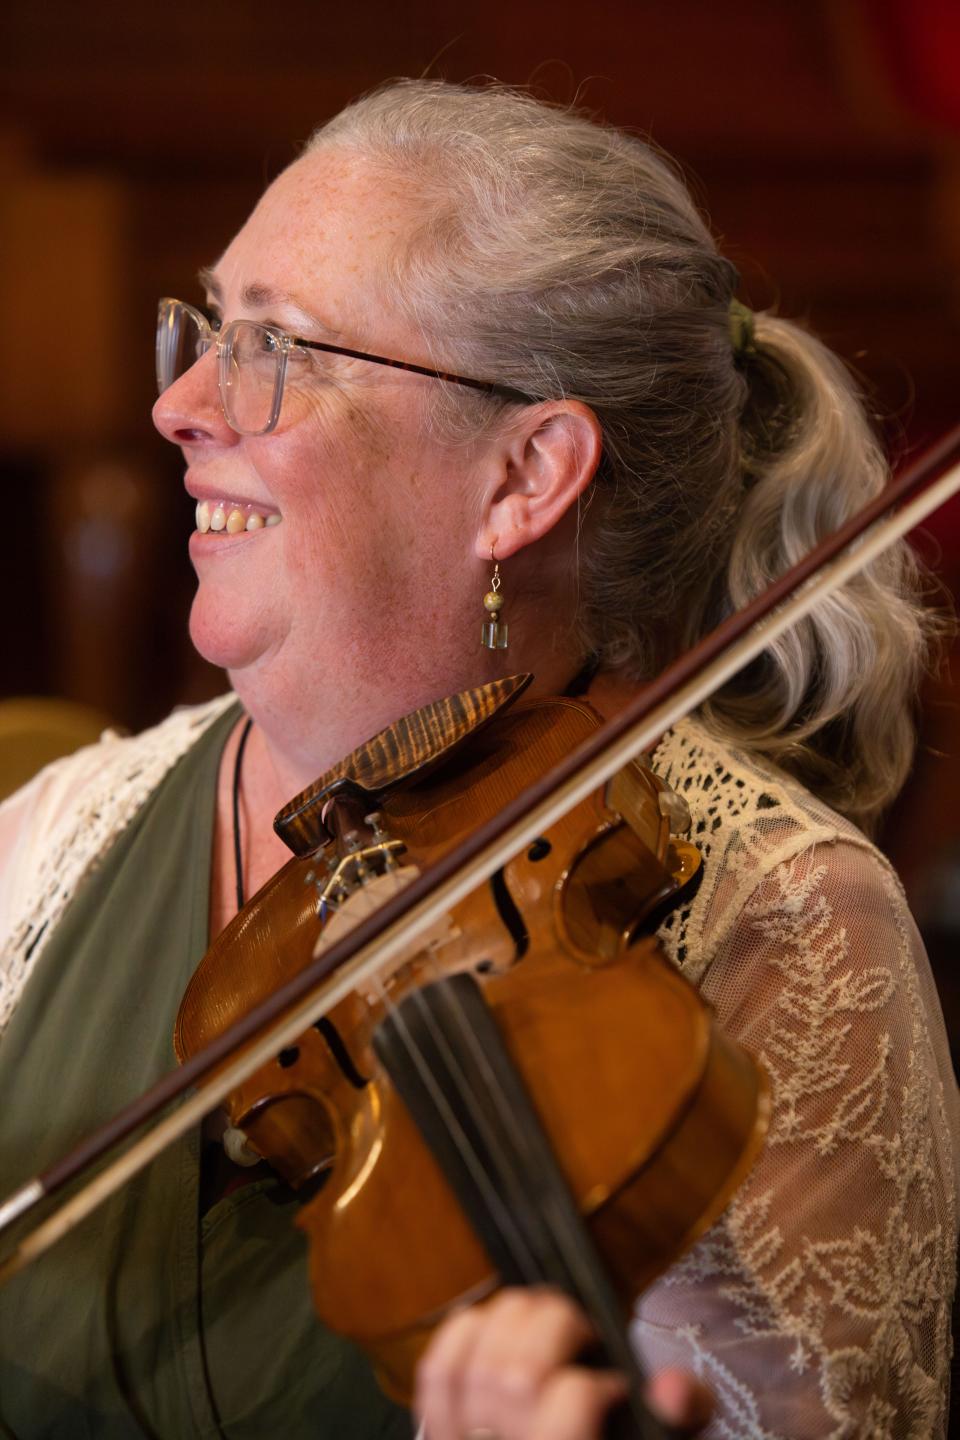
(237, 846)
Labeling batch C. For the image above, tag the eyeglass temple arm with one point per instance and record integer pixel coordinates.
(489, 387)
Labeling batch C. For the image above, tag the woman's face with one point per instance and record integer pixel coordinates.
(367, 572)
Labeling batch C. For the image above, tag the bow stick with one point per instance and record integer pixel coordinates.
(383, 936)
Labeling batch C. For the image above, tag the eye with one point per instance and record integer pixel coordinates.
(213, 317)
(301, 356)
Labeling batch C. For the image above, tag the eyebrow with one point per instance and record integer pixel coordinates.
(257, 296)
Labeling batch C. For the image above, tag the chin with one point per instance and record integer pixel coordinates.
(226, 636)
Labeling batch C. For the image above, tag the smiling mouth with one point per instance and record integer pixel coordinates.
(229, 519)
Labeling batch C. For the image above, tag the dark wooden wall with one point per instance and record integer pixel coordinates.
(134, 138)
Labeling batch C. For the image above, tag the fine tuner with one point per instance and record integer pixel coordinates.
(359, 856)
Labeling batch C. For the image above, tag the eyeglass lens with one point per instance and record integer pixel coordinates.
(251, 364)
(180, 342)
(251, 372)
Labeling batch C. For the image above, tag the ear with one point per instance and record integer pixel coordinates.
(535, 471)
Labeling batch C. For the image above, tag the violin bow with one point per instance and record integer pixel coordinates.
(383, 936)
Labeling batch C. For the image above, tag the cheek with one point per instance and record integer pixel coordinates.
(352, 484)
(350, 501)
(328, 449)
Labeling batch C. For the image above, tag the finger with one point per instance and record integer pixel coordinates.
(574, 1404)
(440, 1371)
(680, 1400)
(484, 1367)
(526, 1336)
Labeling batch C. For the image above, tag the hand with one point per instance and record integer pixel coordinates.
(506, 1368)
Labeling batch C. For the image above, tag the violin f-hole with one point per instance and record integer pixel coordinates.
(510, 914)
(338, 1049)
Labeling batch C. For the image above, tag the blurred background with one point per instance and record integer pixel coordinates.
(821, 136)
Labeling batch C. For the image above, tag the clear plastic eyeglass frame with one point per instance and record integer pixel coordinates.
(176, 315)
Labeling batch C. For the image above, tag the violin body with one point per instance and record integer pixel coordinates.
(652, 1114)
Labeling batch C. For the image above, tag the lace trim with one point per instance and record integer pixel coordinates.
(128, 773)
(746, 820)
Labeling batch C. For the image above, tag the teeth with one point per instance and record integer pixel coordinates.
(232, 520)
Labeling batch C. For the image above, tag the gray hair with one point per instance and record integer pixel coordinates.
(565, 257)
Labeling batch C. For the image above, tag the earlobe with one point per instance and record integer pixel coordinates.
(543, 466)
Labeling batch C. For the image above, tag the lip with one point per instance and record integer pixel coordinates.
(214, 542)
(198, 492)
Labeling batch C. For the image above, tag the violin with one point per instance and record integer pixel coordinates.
(403, 933)
(534, 1082)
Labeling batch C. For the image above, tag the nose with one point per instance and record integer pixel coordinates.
(189, 411)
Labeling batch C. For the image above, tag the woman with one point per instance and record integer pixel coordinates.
(641, 457)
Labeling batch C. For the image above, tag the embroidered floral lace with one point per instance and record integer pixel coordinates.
(819, 1305)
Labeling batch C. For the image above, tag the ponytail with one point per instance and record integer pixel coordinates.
(832, 700)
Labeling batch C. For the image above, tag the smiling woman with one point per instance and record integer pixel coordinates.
(468, 335)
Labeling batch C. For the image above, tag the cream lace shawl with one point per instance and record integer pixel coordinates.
(820, 1304)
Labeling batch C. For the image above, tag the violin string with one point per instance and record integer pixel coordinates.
(579, 1272)
(500, 1101)
(511, 1234)
(515, 1179)
(509, 1230)
(563, 1225)
(471, 1041)
(568, 1243)
(578, 685)
(565, 1239)
(583, 1273)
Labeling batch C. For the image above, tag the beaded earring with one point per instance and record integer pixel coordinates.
(493, 632)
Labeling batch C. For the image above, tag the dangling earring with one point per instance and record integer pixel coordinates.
(493, 632)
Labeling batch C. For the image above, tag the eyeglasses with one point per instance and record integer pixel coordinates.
(254, 360)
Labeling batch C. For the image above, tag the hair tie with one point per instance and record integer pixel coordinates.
(741, 329)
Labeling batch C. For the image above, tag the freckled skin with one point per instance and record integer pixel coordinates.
(366, 602)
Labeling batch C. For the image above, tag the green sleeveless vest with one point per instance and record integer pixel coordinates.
(145, 1320)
